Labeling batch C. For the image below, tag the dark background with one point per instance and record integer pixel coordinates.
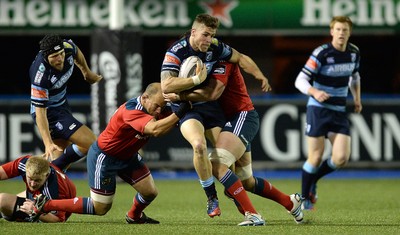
(279, 57)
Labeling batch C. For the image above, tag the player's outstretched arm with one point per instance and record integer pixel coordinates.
(88, 75)
(160, 127)
(250, 67)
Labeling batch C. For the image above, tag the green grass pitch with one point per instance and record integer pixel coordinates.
(345, 206)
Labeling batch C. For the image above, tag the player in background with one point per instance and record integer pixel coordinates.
(49, 75)
(116, 153)
(41, 178)
(233, 146)
(333, 68)
(206, 118)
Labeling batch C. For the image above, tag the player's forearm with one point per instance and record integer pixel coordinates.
(249, 66)
(172, 84)
(80, 61)
(355, 86)
(161, 127)
(43, 125)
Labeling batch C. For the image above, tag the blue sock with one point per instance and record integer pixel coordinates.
(209, 187)
(71, 154)
(308, 178)
(326, 167)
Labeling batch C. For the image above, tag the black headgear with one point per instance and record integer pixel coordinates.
(51, 44)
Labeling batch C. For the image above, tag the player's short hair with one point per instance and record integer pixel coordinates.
(341, 19)
(207, 20)
(37, 165)
(153, 88)
(50, 44)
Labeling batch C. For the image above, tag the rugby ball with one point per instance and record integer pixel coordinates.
(188, 67)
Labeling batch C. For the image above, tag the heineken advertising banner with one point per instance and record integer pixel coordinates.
(116, 55)
(280, 142)
(252, 17)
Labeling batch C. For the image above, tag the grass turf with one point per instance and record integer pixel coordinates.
(365, 206)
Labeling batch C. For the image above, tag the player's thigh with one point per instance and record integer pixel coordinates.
(193, 131)
(212, 134)
(62, 143)
(83, 137)
(232, 143)
(7, 203)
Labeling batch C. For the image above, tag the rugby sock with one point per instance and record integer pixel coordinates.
(139, 204)
(265, 189)
(326, 167)
(209, 187)
(78, 205)
(71, 154)
(236, 190)
(308, 178)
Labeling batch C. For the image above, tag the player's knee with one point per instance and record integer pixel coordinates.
(199, 148)
(102, 204)
(150, 194)
(340, 162)
(101, 209)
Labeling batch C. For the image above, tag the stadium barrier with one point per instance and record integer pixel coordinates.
(279, 144)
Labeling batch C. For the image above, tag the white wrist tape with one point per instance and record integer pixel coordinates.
(196, 80)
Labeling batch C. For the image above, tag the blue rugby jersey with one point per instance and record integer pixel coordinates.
(181, 49)
(330, 71)
(49, 86)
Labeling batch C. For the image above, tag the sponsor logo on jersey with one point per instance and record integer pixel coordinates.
(209, 55)
(76, 200)
(38, 94)
(176, 47)
(171, 59)
(183, 43)
(220, 70)
(67, 45)
(340, 68)
(214, 41)
(73, 125)
(311, 64)
(38, 77)
(63, 79)
(330, 60)
(353, 57)
(71, 60)
(53, 79)
(228, 124)
(42, 68)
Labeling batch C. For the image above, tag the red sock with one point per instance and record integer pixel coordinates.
(74, 205)
(139, 204)
(265, 189)
(237, 191)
